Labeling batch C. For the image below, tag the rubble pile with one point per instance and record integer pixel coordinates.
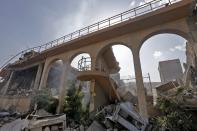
(189, 99)
(120, 116)
(51, 123)
(36, 121)
(27, 56)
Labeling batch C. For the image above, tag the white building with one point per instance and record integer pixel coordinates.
(170, 70)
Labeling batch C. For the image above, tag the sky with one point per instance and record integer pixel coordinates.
(29, 23)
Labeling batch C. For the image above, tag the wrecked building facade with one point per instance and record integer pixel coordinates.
(31, 71)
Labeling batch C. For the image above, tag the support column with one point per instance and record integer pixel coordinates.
(8, 83)
(38, 76)
(44, 76)
(92, 95)
(140, 85)
(63, 84)
(93, 63)
(92, 85)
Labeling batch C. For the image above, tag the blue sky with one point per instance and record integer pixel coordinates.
(28, 23)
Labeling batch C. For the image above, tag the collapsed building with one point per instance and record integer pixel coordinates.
(22, 83)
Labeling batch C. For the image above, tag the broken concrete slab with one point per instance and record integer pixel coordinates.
(43, 123)
(55, 122)
(95, 126)
(121, 116)
(16, 125)
(42, 113)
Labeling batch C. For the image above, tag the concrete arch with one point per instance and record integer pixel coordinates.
(75, 55)
(46, 70)
(178, 32)
(72, 57)
(108, 45)
(54, 60)
(54, 76)
(50, 63)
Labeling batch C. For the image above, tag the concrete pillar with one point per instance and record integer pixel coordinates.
(63, 84)
(94, 67)
(192, 39)
(93, 94)
(140, 84)
(44, 76)
(38, 76)
(8, 83)
(93, 63)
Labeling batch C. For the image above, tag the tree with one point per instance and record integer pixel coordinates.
(173, 116)
(76, 114)
(45, 101)
(73, 105)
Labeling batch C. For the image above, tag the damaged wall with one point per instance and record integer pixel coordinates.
(17, 90)
(17, 103)
(22, 82)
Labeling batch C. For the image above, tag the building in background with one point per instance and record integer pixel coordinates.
(170, 70)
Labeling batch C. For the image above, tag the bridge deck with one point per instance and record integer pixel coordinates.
(127, 22)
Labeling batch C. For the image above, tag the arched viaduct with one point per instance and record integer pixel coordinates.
(175, 18)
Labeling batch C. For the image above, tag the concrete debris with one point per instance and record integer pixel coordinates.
(15, 125)
(127, 95)
(7, 117)
(54, 123)
(28, 55)
(95, 126)
(4, 114)
(162, 89)
(36, 123)
(38, 120)
(121, 116)
(167, 89)
(42, 113)
(189, 98)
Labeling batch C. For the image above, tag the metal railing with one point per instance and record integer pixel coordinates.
(84, 64)
(122, 17)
